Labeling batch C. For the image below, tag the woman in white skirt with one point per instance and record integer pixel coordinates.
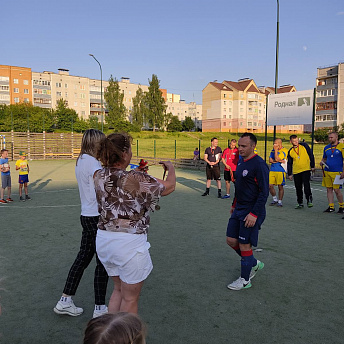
(125, 199)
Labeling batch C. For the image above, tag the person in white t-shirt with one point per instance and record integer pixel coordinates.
(86, 166)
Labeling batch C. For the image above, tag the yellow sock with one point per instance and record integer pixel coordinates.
(331, 205)
(341, 205)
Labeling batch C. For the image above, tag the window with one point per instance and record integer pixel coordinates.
(75, 95)
(4, 97)
(58, 84)
(4, 78)
(26, 91)
(224, 102)
(4, 88)
(82, 95)
(241, 95)
(58, 94)
(241, 110)
(66, 85)
(82, 87)
(16, 100)
(75, 103)
(26, 82)
(82, 104)
(224, 95)
(224, 124)
(241, 102)
(224, 116)
(83, 113)
(16, 90)
(230, 110)
(15, 81)
(66, 94)
(26, 100)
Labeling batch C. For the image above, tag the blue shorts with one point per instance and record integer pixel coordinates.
(23, 178)
(236, 228)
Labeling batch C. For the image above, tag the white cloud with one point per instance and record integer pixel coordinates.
(304, 48)
(340, 13)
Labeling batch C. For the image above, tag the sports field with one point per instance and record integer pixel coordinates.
(296, 298)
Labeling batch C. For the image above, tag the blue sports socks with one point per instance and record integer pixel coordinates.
(247, 262)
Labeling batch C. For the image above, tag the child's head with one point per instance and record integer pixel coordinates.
(118, 328)
(90, 140)
(4, 153)
(22, 155)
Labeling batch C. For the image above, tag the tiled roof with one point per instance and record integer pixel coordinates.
(220, 86)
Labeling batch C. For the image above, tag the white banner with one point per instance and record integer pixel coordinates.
(290, 108)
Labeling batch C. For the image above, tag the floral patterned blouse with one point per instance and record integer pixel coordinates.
(125, 199)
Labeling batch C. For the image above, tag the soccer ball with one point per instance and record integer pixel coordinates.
(6, 167)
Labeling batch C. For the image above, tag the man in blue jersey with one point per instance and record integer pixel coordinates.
(333, 162)
(277, 175)
(248, 209)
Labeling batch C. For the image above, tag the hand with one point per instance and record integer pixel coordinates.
(275, 146)
(250, 220)
(313, 169)
(290, 177)
(342, 175)
(232, 210)
(166, 165)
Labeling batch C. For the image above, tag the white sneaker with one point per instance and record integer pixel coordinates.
(239, 284)
(97, 313)
(68, 308)
(255, 269)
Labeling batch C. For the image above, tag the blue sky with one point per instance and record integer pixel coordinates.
(186, 43)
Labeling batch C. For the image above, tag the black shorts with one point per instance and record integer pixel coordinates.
(228, 177)
(213, 172)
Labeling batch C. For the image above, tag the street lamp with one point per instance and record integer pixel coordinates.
(276, 70)
(101, 89)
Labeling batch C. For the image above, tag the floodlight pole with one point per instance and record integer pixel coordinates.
(101, 90)
(277, 47)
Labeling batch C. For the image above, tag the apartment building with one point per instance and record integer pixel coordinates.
(19, 84)
(233, 107)
(239, 106)
(15, 85)
(329, 110)
(181, 109)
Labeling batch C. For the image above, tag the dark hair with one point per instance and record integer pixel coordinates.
(251, 136)
(292, 137)
(110, 148)
(4, 150)
(233, 140)
(214, 138)
(89, 142)
(118, 328)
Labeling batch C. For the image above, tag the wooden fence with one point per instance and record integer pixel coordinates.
(42, 145)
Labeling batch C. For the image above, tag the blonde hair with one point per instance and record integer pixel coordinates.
(111, 148)
(118, 328)
(89, 142)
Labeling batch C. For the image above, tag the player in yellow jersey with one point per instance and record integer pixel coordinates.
(300, 164)
(277, 174)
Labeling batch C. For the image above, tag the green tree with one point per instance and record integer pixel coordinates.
(175, 124)
(114, 103)
(139, 108)
(93, 122)
(65, 118)
(188, 124)
(25, 116)
(155, 104)
(321, 134)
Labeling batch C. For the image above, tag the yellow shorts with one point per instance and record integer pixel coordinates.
(277, 178)
(328, 180)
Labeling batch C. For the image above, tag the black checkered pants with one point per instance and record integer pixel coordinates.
(83, 259)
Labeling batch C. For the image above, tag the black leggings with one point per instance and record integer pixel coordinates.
(303, 179)
(87, 251)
